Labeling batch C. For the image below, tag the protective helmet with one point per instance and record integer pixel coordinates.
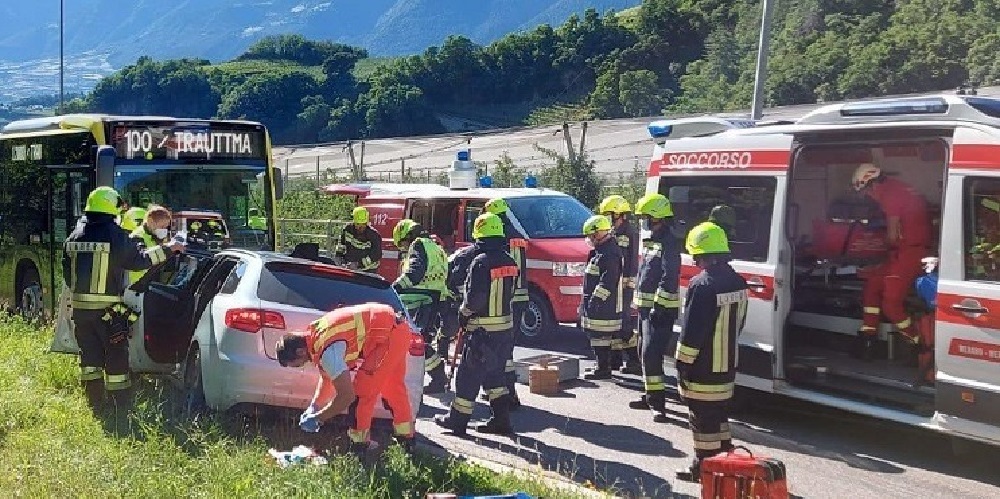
(864, 176)
(497, 206)
(103, 200)
(133, 218)
(724, 215)
(596, 223)
(654, 205)
(614, 204)
(359, 215)
(707, 238)
(487, 225)
(402, 230)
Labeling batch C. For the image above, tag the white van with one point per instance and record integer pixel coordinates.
(805, 307)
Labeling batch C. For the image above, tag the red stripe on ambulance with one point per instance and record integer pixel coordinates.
(720, 160)
(975, 156)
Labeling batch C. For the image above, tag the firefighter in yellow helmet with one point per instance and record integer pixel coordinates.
(152, 232)
(132, 219)
(625, 342)
(657, 297)
(95, 258)
(601, 306)
(715, 311)
(422, 285)
(517, 246)
(360, 245)
(487, 318)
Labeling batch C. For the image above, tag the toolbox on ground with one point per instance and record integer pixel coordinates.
(735, 475)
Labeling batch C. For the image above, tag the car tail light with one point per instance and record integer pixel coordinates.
(251, 320)
(416, 345)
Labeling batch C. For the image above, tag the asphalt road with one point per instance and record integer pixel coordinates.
(588, 433)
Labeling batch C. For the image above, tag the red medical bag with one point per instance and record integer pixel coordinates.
(733, 475)
(848, 240)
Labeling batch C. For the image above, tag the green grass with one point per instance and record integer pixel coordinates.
(52, 446)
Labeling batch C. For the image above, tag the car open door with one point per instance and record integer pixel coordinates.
(967, 326)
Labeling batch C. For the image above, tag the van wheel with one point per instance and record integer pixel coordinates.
(193, 404)
(29, 296)
(537, 321)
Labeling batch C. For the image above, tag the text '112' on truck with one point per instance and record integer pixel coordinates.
(551, 221)
(811, 235)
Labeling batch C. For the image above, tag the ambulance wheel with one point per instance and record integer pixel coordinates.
(538, 319)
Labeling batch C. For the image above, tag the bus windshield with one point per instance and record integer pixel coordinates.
(549, 217)
(237, 193)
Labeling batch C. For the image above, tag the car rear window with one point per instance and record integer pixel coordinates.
(320, 288)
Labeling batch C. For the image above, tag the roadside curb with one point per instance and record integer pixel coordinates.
(550, 479)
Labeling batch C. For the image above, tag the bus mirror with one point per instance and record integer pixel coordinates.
(279, 182)
(104, 164)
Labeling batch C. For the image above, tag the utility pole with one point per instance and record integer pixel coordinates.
(583, 138)
(354, 163)
(570, 152)
(361, 168)
(61, 36)
(763, 48)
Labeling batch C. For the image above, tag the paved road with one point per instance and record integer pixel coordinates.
(588, 433)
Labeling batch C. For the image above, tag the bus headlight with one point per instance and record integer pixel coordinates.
(568, 269)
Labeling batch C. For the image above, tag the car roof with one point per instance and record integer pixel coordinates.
(274, 256)
(436, 191)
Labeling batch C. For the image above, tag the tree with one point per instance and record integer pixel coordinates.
(639, 94)
(296, 48)
(178, 88)
(274, 99)
(576, 178)
(505, 173)
(397, 111)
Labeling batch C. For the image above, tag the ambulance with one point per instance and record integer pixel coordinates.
(552, 222)
(805, 259)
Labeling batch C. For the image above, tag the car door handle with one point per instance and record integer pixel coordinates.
(970, 307)
(756, 284)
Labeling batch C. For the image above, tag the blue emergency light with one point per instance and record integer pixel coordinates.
(927, 105)
(486, 181)
(463, 155)
(530, 181)
(659, 129)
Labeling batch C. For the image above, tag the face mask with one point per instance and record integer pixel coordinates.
(590, 242)
(161, 233)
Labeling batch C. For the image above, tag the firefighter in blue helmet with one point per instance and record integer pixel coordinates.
(601, 305)
(487, 318)
(657, 297)
(715, 311)
(95, 260)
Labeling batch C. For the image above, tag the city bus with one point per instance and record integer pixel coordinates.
(49, 165)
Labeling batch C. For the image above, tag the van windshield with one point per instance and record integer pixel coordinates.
(548, 217)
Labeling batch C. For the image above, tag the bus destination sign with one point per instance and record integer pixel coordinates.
(153, 141)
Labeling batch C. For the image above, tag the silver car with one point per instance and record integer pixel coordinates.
(215, 321)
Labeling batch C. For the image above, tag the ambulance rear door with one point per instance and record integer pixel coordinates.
(749, 174)
(967, 327)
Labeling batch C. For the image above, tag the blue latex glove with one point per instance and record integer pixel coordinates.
(308, 422)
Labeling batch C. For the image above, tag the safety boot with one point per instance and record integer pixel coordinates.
(499, 424)
(690, 474)
(360, 450)
(439, 381)
(123, 399)
(408, 443)
(95, 394)
(633, 364)
(640, 404)
(615, 360)
(454, 421)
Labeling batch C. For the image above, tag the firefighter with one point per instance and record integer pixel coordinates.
(458, 271)
(132, 219)
(152, 232)
(360, 245)
(371, 339)
(96, 256)
(422, 286)
(715, 311)
(626, 341)
(657, 298)
(909, 234)
(601, 305)
(487, 319)
(517, 247)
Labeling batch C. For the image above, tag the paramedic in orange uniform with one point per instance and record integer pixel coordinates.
(908, 230)
(370, 338)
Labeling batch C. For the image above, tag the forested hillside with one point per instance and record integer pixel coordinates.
(665, 56)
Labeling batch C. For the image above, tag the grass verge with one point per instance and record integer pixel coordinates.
(51, 445)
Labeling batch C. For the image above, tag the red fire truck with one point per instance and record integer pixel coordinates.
(805, 268)
(552, 221)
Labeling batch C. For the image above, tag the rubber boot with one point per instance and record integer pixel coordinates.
(439, 381)
(633, 365)
(95, 394)
(454, 421)
(360, 450)
(408, 443)
(640, 404)
(615, 360)
(499, 424)
(513, 401)
(658, 403)
(603, 370)
(123, 399)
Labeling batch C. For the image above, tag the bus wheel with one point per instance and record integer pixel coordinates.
(29, 296)
(537, 320)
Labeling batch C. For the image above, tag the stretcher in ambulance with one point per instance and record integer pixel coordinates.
(552, 222)
(806, 241)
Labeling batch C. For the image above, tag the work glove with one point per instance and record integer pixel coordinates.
(308, 422)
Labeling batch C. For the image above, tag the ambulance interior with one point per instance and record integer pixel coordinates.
(834, 233)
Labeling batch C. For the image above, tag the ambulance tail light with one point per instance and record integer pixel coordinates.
(568, 269)
(252, 320)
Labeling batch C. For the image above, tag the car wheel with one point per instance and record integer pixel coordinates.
(537, 321)
(193, 404)
(29, 297)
